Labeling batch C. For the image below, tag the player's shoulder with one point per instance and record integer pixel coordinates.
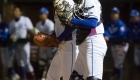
(48, 21)
(38, 23)
(25, 17)
(121, 23)
(107, 24)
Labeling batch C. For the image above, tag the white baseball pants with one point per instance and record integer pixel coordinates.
(91, 56)
(63, 61)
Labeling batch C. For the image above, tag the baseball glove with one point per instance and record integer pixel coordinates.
(64, 10)
(46, 40)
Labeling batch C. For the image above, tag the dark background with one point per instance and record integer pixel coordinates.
(31, 9)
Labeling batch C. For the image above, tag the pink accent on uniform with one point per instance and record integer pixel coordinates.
(93, 32)
(90, 12)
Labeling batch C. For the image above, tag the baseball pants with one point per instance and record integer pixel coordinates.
(90, 58)
(22, 54)
(46, 53)
(119, 53)
(137, 55)
(63, 61)
(4, 55)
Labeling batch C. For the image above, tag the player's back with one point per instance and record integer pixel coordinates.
(20, 26)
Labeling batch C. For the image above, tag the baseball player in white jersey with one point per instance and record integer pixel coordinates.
(63, 61)
(18, 29)
(46, 26)
(90, 40)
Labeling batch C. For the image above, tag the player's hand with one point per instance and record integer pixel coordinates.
(69, 23)
(106, 38)
(35, 31)
(13, 38)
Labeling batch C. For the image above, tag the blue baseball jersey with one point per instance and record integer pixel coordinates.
(4, 34)
(115, 30)
(134, 31)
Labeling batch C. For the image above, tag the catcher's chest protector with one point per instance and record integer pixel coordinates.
(81, 35)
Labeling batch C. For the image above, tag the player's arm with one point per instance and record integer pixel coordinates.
(5, 33)
(51, 27)
(13, 37)
(29, 26)
(107, 35)
(87, 23)
(65, 33)
(122, 31)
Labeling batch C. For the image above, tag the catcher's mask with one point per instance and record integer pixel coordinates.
(80, 10)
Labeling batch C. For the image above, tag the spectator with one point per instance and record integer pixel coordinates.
(134, 35)
(115, 33)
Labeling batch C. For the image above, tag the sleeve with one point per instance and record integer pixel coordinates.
(29, 24)
(122, 31)
(11, 28)
(51, 27)
(37, 25)
(65, 33)
(5, 33)
(95, 10)
(106, 31)
(88, 23)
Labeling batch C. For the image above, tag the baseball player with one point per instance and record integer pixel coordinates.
(18, 29)
(90, 40)
(134, 35)
(4, 37)
(115, 33)
(64, 60)
(46, 26)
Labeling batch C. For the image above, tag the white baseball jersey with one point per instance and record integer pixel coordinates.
(92, 51)
(46, 27)
(20, 28)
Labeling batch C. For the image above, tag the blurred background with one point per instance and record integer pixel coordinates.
(31, 9)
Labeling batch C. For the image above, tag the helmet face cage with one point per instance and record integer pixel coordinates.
(80, 11)
(77, 1)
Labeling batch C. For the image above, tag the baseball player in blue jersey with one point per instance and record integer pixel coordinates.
(90, 40)
(19, 28)
(4, 37)
(134, 35)
(115, 33)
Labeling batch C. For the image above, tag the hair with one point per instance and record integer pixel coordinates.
(15, 7)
